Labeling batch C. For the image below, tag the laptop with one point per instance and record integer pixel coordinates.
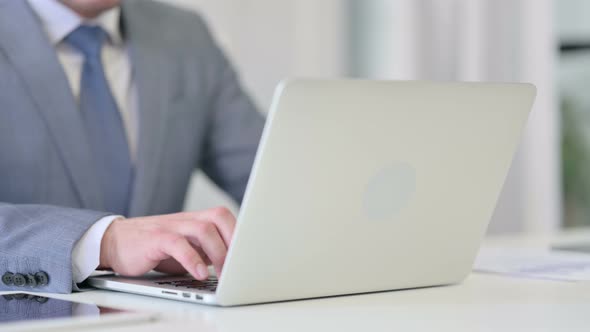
(362, 186)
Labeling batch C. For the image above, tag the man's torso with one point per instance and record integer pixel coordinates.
(44, 157)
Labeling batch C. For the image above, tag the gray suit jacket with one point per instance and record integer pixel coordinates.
(193, 114)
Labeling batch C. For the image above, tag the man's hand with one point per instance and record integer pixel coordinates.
(173, 243)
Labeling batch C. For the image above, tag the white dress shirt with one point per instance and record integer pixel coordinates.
(59, 21)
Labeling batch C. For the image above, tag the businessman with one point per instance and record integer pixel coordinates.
(106, 108)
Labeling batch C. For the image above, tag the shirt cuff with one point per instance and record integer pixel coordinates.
(86, 253)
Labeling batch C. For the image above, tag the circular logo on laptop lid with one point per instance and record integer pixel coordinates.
(389, 191)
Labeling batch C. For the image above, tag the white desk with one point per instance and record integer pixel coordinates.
(481, 303)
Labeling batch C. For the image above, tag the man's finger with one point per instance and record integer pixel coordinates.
(207, 237)
(179, 248)
(223, 219)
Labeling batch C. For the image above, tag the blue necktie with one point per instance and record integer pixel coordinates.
(102, 119)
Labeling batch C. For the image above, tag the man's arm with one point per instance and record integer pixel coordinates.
(235, 126)
(37, 241)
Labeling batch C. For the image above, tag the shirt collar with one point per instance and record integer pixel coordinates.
(59, 20)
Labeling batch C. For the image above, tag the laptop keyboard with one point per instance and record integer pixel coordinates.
(207, 285)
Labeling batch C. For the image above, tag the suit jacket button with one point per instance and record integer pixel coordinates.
(42, 278)
(31, 281)
(8, 278)
(19, 280)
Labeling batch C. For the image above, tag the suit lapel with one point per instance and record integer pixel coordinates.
(151, 70)
(36, 61)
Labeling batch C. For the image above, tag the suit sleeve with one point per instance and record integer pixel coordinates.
(37, 240)
(234, 129)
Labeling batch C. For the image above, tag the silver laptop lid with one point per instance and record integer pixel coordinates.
(364, 186)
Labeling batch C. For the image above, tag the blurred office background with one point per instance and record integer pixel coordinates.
(546, 42)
